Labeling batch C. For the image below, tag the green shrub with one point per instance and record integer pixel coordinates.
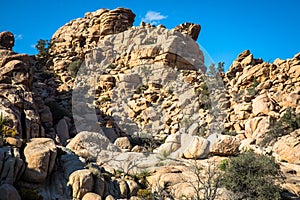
(5, 129)
(289, 122)
(140, 89)
(251, 176)
(74, 67)
(252, 89)
(145, 194)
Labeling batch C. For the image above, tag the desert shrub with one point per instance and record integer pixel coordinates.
(204, 96)
(74, 67)
(140, 89)
(286, 124)
(251, 176)
(231, 133)
(5, 129)
(145, 194)
(252, 89)
(141, 177)
(102, 100)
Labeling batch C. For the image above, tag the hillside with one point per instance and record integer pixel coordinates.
(113, 111)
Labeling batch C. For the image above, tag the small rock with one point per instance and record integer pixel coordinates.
(91, 196)
(13, 141)
(123, 143)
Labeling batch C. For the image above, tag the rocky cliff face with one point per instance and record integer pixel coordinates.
(117, 109)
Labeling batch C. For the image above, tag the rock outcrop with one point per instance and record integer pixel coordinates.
(120, 112)
(190, 29)
(40, 155)
(7, 40)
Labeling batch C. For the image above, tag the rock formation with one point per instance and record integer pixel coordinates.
(123, 112)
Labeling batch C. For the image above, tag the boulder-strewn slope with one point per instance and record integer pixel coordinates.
(121, 112)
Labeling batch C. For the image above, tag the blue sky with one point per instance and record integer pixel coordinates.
(269, 28)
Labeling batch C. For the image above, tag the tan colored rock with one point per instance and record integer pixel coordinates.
(123, 143)
(81, 182)
(190, 29)
(193, 147)
(291, 172)
(225, 145)
(124, 189)
(287, 148)
(91, 144)
(133, 187)
(116, 21)
(109, 197)
(7, 40)
(171, 145)
(261, 105)
(257, 128)
(40, 155)
(17, 142)
(8, 192)
(91, 196)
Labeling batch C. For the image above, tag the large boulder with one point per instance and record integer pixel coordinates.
(7, 40)
(287, 148)
(171, 145)
(190, 29)
(91, 144)
(261, 105)
(257, 128)
(40, 155)
(225, 145)
(193, 147)
(81, 182)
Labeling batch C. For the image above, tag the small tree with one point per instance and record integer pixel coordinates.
(251, 176)
(205, 186)
(221, 67)
(43, 49)
(289, 122)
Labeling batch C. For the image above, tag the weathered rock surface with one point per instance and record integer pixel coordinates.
(287, 148)
(225, 145)
(8, 192)
(11, 166)
(40, 155)
(190, 29)
(91, 196)
(193, 147)
(7, 40)
(86, 144)
(81, 182)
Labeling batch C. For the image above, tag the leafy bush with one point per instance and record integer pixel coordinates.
(252, 89)
(204, 96)
(5, 129)
(145, 194)
(74, 67)
(289, 122)
(251, 176)
(140, 89)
